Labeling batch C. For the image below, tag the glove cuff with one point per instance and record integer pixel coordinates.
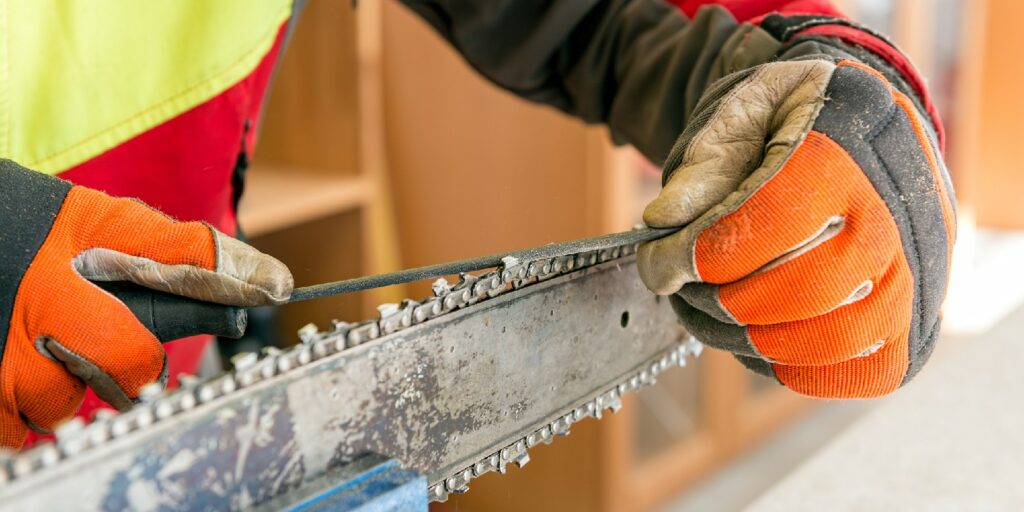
(863, 43)
(29, 202)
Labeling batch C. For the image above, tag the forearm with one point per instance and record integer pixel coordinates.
(641, 66)
(638, 66)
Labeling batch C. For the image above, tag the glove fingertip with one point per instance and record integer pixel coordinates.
(267, 279)
(275, 279)
(659, 276)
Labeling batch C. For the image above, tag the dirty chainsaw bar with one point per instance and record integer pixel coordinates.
(455, 386)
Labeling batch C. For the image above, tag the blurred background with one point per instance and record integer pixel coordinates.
(381, 149)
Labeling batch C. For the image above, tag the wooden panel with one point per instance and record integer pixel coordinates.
(311, 120)
(996, 181)
(474, 170)
(277, 198)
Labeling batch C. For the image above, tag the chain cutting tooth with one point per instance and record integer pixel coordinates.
(226, 384)
(465, 289)
(510, 268)
(70, 436)
(303, 355)
(407, 306)
(206, 393)
(516, 452)
(23, 464)
(460, 294)
(163, 408)
(119, 426)
(185, 396)
(440, 287)
(437, 493)
(242, 361)
(322, 348)
(143, 415)
(395, 317)
(187, 381)
(244, 364)
(514, 271)
(613, 400)
(289, 358)
(388, 317)
(49, 456)
(560, 427)
(522, 458)
(339, 328)
(694, 347)
(309, 333)
(150, 392)
(98, 429)
(599, 407)
(267, 366)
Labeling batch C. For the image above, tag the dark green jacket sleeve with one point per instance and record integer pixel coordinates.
(638, 66)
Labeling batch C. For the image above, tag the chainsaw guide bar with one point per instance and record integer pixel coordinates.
(454, 386)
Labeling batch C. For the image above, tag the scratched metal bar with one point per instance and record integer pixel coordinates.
(450, 398)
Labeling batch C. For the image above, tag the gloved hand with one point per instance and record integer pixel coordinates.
(62, 332)
(819, 222)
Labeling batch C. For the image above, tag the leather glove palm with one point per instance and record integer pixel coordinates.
(819, 223)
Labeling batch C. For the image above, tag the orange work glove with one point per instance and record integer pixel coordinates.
(819, 222)
(61, 332)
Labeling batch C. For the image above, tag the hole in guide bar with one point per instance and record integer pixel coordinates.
(624, 319)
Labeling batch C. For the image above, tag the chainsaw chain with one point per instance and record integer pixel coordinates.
(611, 399)
(155, 404)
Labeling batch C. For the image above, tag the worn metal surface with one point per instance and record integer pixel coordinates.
(512, 359)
